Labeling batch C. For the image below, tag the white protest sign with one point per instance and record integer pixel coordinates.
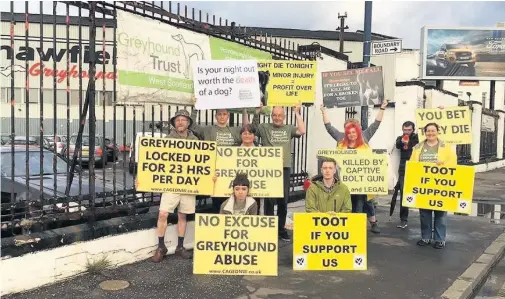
(224, 84)
(390, 46)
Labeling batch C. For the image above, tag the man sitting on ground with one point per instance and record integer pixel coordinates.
(327, 194)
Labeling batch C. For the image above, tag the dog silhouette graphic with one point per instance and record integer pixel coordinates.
(190, 51)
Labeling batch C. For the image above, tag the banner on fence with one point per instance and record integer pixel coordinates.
(221, 49)
(289, 82)
(363, 171)
(263, 166)
(441, 188)
(455, 123)
(329, 242)
(355, 87)
(223, 84)
(155, 60)
(235, 245)
(176, 166)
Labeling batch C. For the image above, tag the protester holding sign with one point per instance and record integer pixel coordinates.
(433, 150)
(240, 203)
(184, 203)
(405, 144)
(223, 134)
(279, 134)
(327, 194)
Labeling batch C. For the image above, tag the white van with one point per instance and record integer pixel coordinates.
(132, 166)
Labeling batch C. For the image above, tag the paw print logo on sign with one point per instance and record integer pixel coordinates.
(359, 262)
(410, 199)
(300, 262)
(463, 206)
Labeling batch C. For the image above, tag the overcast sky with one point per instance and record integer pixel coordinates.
(403, 19)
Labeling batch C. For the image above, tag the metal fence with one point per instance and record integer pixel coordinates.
(489, 135)
(47, 182)
(464, 151)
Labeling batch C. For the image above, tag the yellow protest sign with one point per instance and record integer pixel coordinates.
(329, 242)
(235, 245)
(263, 166)
(363, 171)
(290, 82)
(441, 188)
(176, 166)
(455, 123)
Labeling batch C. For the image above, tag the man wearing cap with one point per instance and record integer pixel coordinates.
(222, 134)
(279, 134)
(185, 203)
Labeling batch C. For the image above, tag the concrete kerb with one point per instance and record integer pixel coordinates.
(465, 285)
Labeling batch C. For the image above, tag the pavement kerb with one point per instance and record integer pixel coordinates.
(465, 285)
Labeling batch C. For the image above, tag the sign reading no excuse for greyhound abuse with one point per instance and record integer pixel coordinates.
(329, 242)
(363, 171)
(263, 166)
(235, 245)
(176, 166)
(455, 123)
(441, 188)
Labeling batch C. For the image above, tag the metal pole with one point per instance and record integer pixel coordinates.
(366, 54)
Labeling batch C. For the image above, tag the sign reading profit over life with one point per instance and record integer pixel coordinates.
(363, 171)
(455, 123)
(290, 82)
(176, 165)
(441, 188)
(263, 166)
(235, 245)
(329, 242)
(223, 84)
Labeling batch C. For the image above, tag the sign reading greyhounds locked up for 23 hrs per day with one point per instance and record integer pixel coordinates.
(235, 245)
(363, 171)
(329, 242)
(263, 166)
(176, 165)
(442, 188)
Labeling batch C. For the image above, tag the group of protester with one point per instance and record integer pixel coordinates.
(326, 194)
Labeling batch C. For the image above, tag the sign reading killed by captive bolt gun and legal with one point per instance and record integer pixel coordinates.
(455, 123)
(329, 242)
(356, 87)
(235, 245)
(442, 188)
(263, 166)
(363, 171)
(176, 166)
(289, 82)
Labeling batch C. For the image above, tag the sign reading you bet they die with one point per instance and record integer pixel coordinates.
(455, 123)
(176, 165)
(329, 242)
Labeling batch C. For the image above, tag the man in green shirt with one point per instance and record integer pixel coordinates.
(223, 134)
(279, 134)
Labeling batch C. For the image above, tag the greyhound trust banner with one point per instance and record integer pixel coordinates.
(441, 188)
(364, 172)
(155, 60)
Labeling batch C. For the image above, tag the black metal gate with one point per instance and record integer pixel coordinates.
(66, 145)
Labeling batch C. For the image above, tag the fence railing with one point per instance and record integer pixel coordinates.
(66, 139)
(489, 135)
(464, 151)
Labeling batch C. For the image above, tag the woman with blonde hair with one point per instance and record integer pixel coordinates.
(433, 150)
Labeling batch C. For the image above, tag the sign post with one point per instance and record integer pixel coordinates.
(382, 47)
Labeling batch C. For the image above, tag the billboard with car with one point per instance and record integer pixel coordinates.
(463, 53)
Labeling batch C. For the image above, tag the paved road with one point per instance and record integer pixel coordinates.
(397, 269)
(494, 287)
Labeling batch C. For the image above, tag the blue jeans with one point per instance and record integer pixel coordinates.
(360, 204)
(427, 224)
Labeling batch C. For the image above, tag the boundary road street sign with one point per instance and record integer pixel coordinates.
(390, 46)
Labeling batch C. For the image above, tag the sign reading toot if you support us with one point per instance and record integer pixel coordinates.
(329, 242)
(441, 188)
(176, 165)
(455, 123)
